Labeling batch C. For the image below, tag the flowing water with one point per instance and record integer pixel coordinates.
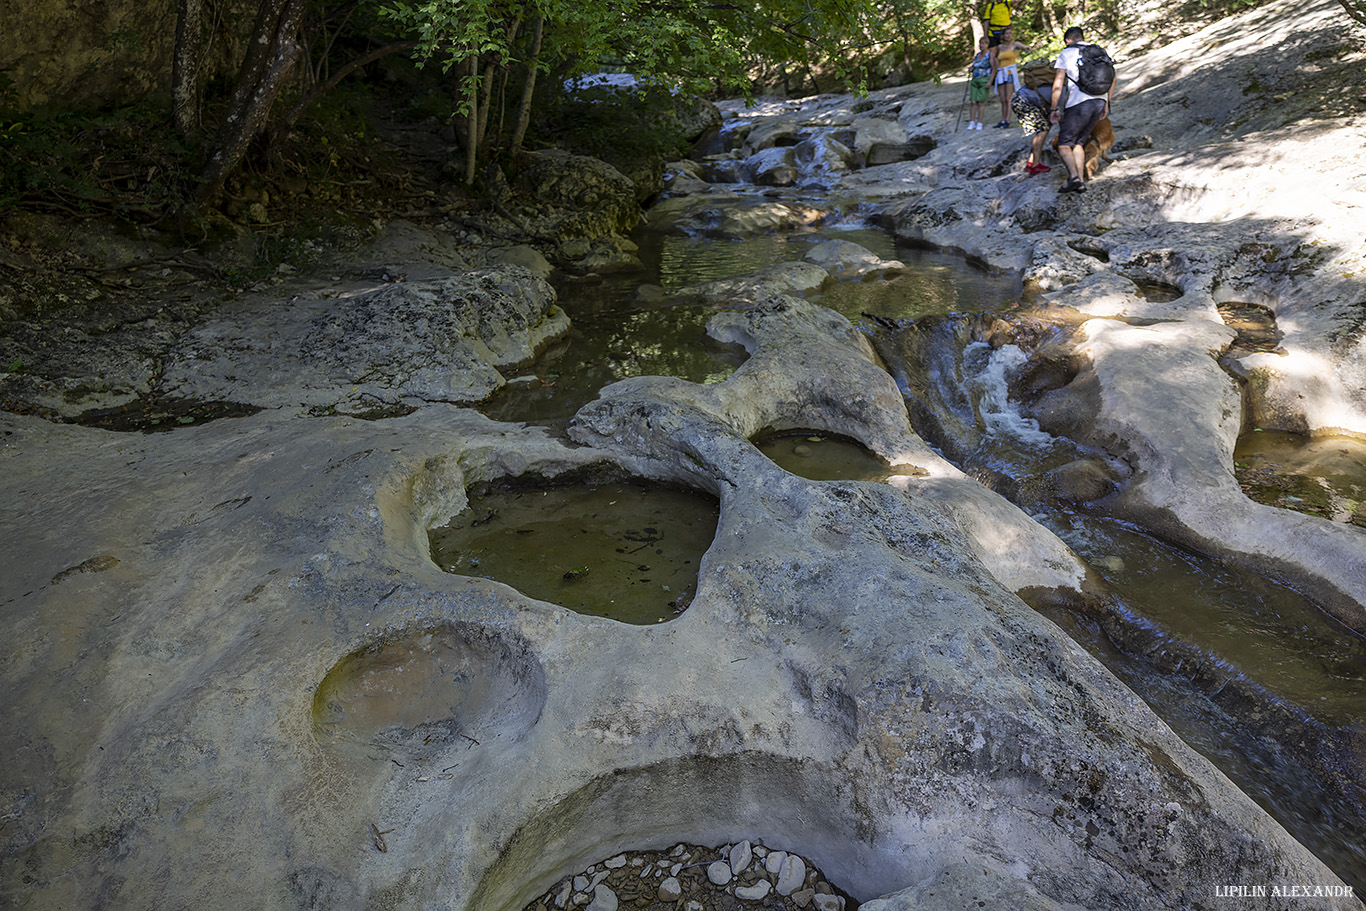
(1249, 672)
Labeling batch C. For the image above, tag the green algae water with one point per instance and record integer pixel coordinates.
(825, 457)
(605, 347)
(625, 551)
(1321, 476)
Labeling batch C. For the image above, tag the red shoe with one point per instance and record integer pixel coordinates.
(1041, 168)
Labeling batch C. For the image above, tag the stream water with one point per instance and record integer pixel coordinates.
(1250, 673)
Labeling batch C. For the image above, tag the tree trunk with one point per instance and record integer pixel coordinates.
(187, 67)
(323, 88)
(472, 128)
(524, 107)
(1355, 8)
(1050, 18)
(272, 54)
(486, 98)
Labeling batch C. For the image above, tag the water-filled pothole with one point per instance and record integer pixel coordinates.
(1321, 476)
(820, 456)
(1158, 292)
(419, 694)
(1255, 325)
(605, 347)
(152, 414)
(626, 551)
(723, 878)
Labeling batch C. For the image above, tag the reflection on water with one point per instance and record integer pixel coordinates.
(609, 346)
(1321, 476)
(1268, 633)
(624, 551)
(822, 457)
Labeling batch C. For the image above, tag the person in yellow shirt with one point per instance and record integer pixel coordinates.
(1005, 59)
(996, 19)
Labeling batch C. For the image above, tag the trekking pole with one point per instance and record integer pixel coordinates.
(964, 105)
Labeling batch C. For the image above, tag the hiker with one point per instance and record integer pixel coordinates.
(996, 19)
(1004, 58)
(980, 71)
(1032, 110)
(1079, 111)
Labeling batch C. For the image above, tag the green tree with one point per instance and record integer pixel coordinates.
(693, 44)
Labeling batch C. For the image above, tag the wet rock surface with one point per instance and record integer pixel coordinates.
(857, 671)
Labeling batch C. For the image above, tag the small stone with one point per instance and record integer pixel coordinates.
(791, 874)
(740, 856)
(579, 898)
(719, 873)
(645, 872)
(802, 897)
(694, 906)
(562, 898)
(678, 849)
(673, 871)
(774, 862)
(760, 851)
(581, 883)
(670, 890)
(615, 863)
(598, 878)
(755, 892)
(604, 899)
(637, 861)
(826, 902)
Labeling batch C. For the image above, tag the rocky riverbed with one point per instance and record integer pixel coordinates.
(858, 678)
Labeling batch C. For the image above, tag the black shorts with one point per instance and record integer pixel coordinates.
(1079, 120)
(994, 36)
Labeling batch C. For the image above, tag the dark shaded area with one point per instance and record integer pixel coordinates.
(155, 415)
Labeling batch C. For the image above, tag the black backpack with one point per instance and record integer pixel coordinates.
(1095, 70)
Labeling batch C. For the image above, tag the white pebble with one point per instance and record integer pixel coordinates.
(719, 873)
(774, 862)
(670, 890)
(791, 875)
(755, 892)
(740, 856)
(604, 899)
(581, 883)
(615, 863)
(828, 902)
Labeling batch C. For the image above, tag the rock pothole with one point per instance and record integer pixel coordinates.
(626, 550)
(420, 693)
(687, 877)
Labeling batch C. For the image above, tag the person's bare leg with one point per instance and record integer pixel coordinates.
(1073, 158)
(1036, 151)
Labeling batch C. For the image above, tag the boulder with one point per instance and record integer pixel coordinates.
(847, 260)
(575, 196)
(443, 340)
(773, 167)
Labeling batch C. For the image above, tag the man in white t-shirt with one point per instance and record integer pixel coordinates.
(1078, 114)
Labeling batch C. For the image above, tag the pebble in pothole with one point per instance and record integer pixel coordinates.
(693, 878)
